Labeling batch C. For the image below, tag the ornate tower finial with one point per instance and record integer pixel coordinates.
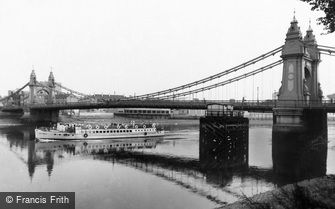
(294, 19)
(32, 77)
(310, 27)
(309, 37)
(294, 30)
(51, 79)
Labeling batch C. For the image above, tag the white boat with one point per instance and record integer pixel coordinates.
(89, 131)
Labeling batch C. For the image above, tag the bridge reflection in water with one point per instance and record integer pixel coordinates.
(296, 156)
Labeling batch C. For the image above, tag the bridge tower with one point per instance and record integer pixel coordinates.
(300, 86)
(51, 85)
(300, 69)
(296, 127)
(32, 87)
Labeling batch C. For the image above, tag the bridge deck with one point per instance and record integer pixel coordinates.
(251, 106)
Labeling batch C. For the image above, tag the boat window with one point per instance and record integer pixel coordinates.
(104, 131)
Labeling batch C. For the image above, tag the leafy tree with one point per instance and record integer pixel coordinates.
(328, 7)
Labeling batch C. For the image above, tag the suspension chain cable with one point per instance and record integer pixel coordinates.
(237, 78)
(218, 75)
(70, 90)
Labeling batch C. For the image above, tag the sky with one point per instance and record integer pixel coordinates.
(140, 46)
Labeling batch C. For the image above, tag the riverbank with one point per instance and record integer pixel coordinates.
(313, 193)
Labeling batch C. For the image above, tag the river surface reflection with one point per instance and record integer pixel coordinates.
(164, 174)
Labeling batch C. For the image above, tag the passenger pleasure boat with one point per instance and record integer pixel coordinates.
(89, 131)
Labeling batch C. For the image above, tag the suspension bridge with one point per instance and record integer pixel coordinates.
(300, 88)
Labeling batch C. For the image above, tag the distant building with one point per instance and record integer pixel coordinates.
(65, 98)
(71, 98)
(16, 99)
(159, 113)
(61, 98)
(331, 97)
(186, 113)
(144, 113)
(107, 97)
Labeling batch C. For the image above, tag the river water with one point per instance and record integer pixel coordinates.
(168, 178)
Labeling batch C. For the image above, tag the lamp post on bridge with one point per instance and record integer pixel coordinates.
(257, 95)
